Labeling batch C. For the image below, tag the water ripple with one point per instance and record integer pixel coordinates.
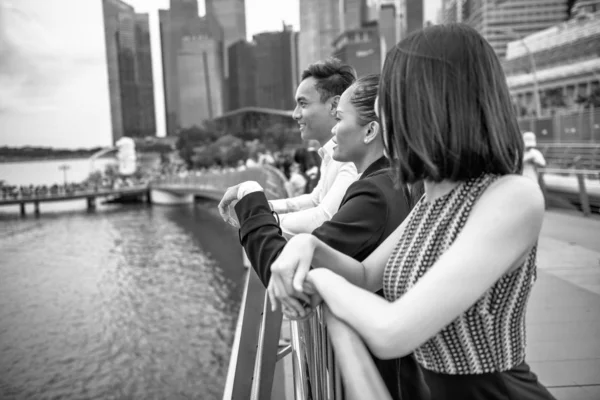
(130, 304)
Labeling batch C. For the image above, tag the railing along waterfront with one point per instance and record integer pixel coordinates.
(587, 197)
(316, 373)
(256, 349)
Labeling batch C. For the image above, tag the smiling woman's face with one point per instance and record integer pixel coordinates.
(348, 134)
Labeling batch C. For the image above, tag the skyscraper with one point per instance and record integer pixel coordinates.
(319, 26)
(276, 68)
(199, 64)
(177, 23)
(129, 64)
(231, 15)
(241, 83)
(145, 81)
(414, 15)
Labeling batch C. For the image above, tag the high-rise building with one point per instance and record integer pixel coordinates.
(276, 68)
(414, 15)
(231, 15)
(388, 27)
(501, 21)
(319, 26)
(180, 21)
(199, 73)
(145, 80)
(129, 59)
(361, 48)
(241, 84)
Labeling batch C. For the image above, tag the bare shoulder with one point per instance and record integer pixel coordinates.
(513, 196)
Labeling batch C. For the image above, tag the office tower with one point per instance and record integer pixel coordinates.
(125, 66)
(501, 21)
(145, 80)
(182, 20)
(413, 11)
(360, 48)
(276, 69)
(319, 26)
(231, 15)
(241, 84)
(199, 73)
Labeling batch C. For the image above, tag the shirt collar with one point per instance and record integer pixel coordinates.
(326, 150)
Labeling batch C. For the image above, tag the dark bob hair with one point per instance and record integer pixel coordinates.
(332, 76)
(445, 107)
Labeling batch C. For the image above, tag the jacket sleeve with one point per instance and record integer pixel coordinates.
(260, 234)
(359, 222)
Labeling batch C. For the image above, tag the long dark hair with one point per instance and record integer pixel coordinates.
(446, 109)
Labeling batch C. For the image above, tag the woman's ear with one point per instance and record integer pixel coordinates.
(371, 132)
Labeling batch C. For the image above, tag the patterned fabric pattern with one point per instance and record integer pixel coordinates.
(489, 336)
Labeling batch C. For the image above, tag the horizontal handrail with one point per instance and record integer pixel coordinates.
(359, 373)
(570, 171)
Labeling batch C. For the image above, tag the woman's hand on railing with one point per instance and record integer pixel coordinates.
(288, 273)
(309, 308)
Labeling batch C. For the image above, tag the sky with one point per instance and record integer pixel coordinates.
(53, 78)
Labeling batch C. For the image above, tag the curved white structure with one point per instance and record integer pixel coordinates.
(169, 198)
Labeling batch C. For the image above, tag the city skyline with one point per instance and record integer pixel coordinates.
(47, 79)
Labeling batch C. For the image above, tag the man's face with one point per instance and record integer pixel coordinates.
(315, 118)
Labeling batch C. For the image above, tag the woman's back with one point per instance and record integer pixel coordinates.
(490, 336)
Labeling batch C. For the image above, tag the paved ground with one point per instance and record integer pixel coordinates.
(563, 320)
(564, 312)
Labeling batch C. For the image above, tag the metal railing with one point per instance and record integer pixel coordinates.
(586, 199)
(317, 374)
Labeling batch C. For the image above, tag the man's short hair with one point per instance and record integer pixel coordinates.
(332, 76)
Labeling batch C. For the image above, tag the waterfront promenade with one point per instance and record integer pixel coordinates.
(563, 318)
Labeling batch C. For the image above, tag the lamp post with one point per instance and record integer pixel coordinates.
(536, 87)
(64, 168)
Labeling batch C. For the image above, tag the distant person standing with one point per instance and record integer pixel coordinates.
(533, 158)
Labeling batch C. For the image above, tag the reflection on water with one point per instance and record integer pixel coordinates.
(133, 302)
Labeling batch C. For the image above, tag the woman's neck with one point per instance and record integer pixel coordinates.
(435, 190)
(369, 158)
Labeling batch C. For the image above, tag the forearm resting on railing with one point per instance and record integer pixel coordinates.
(359, 373)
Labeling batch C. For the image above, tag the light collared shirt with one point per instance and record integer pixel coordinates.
(305, 213)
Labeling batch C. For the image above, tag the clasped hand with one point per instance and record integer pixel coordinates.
(230, 196)
(291, 285)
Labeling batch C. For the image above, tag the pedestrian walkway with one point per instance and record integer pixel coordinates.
(563, 320)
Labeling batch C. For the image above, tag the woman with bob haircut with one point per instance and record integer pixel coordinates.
(457, 273)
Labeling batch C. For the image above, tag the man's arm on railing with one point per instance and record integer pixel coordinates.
(259, 233)
(354, 227)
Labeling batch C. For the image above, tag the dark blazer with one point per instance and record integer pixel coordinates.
(370, 211)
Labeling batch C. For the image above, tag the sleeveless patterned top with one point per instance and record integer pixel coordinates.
(489, 336)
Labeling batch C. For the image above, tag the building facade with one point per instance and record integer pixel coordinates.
(129, 66)
(182, 21)
(146, 112)
(502, 21)
(567, 65)
(276, 68)
(231, 15)
(199, 73)
(361, 48)
(242, 75)
(319, 26)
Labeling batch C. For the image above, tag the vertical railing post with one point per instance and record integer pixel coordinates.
(583, 195)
